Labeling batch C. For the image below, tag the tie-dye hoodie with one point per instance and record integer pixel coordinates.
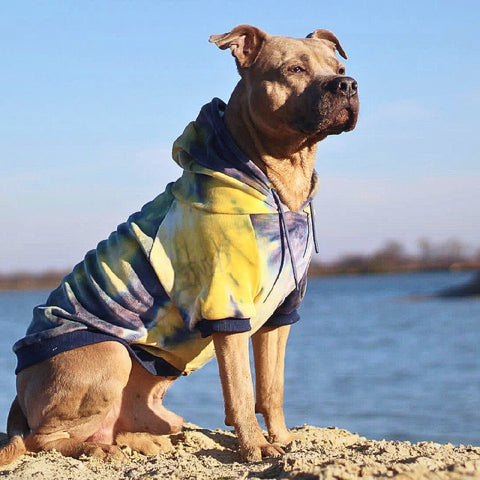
(216, 252)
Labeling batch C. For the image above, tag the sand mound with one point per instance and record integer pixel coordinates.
(318, 453)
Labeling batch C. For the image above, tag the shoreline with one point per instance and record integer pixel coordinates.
(318, 453)
(50, 279)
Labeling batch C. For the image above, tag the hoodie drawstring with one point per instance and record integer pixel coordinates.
(283, 224)
(314, 233)
(286, 235)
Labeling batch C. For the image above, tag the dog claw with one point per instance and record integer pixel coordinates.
(272, 451)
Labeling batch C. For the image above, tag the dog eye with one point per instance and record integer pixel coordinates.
(341, 70)
(296, 69)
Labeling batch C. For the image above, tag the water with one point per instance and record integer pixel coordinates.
(363, 357)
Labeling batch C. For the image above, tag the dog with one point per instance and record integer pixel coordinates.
(219, 257)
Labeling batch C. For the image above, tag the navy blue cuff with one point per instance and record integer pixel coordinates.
(155, 365)
(279, 319)
(226, 325)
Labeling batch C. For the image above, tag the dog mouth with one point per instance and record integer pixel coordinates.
(343, 119)
(346, 119)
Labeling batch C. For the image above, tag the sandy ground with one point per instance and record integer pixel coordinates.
(319, 453)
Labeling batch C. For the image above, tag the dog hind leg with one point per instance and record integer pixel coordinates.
(74, 397)
(142, 405)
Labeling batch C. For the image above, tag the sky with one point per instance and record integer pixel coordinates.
(94, 93)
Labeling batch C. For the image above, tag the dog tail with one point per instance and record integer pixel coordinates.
(12, 450)
(17, 428)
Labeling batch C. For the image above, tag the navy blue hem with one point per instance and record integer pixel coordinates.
(155, 365)
(279, 319)
(47, 348)
(226, 325)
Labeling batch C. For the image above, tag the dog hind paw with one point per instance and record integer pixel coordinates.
(144, 443)
(107, 453)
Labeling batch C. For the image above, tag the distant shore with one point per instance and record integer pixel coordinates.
(50, 279)
(391, 257)
(30, 280)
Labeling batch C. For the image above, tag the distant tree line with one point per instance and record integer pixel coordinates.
(30, 280)
(393, 257)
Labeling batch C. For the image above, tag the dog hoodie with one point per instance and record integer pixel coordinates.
(216, 252)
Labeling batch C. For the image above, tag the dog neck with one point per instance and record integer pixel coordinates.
(287, 162)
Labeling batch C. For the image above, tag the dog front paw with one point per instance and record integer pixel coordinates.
(259, 450)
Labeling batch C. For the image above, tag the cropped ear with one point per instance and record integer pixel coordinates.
(244, 41)
(328, 35)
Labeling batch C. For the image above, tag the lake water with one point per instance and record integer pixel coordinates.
(364, 357)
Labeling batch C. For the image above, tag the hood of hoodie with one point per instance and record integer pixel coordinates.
(218, 177)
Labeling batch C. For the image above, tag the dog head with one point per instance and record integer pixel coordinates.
(295, 87)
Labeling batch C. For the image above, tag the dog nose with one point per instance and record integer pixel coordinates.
(343, 86)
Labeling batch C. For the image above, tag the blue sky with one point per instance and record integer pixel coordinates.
(95, 92)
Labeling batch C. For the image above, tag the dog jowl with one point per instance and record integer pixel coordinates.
(219, 257)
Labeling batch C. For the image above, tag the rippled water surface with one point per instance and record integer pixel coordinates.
(365, 357)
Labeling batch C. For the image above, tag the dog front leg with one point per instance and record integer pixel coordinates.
(269, 345)
(234, 367)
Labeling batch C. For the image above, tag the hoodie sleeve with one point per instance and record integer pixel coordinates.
(231, 284)
(214, 268)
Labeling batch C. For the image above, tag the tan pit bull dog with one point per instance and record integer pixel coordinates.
(95, 365)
